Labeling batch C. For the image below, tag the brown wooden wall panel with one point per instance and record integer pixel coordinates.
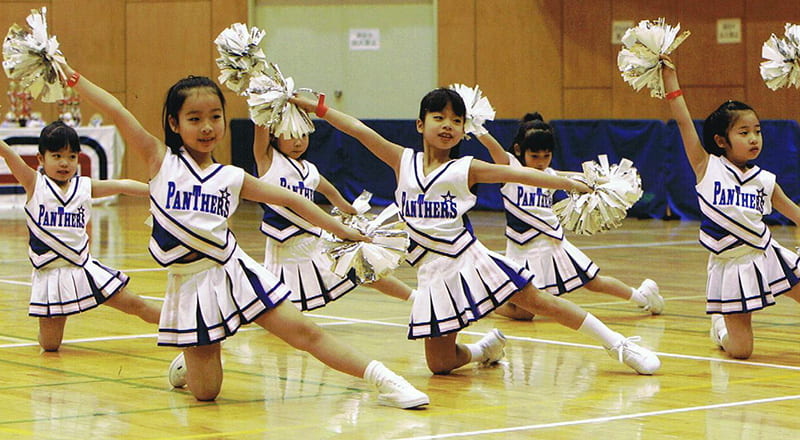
(456, 41)
(768, 17)
(585, 103)
(224, 14)
(587, 44)
(518, 66)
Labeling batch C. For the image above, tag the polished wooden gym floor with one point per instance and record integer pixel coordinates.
(108, 381)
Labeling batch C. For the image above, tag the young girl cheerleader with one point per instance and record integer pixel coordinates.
(213, 286)
(747, 268)
(293, 251)
(460, 280)
(534, 234)
(66, 279)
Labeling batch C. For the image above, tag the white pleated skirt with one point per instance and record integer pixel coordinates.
(559, 266)
(62, 288)
(452, 292)
(745, 279)
(206, 301)
(301, 264)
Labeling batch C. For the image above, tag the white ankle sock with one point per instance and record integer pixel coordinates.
(476, 352)
(414, 293)
(374, 371)
(637, 297)
(595, 329)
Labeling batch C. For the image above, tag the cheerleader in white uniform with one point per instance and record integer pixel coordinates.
(747, 268)
(458, 279)
(535, 236)
(293, 245)
(213, 286)
(66, 279)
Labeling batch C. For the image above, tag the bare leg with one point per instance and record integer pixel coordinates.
(794, 293)
(513, 311)
(739, 341)
(611, 286)
(542, 303)
(443, 354)
(392, 286)
(133, 304)
(51, 332)
(204, 371)
(299, 331)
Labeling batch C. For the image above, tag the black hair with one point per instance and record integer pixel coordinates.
(436, 100)
(175, 98)
(719, 122)
(533, 134)
(58, 135)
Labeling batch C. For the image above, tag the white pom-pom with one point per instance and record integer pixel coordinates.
(616, 189)
(782, 68)
(240, 56)
(33, 58)
(639, 59)
(479, 110)
(269, 95)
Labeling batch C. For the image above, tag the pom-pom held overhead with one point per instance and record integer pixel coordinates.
(269, 94)
(639, 60)
(479, 110)
(616, 189)
(32, 57)
(240, 56)
(782, 68)
(370, 261)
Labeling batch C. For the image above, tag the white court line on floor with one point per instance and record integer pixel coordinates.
(605, 419)
(642, 245)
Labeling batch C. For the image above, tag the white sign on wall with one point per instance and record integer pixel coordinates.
(365, 39)
(618, 28)
(729, 30)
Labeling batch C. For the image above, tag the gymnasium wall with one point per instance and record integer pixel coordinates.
(554, 56)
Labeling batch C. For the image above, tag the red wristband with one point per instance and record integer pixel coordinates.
(73, 79)
(321, 107)
(673, 94)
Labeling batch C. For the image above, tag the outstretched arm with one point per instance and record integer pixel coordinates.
(698, 157)
(496, 150)
(25, 175)
(150, 148)
(389, 152)
(258, 191)
(482, 172)
(262, 152)
(130, 187)
(785, 205)
(334, 196)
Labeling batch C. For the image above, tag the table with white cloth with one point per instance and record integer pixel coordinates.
(102, 149)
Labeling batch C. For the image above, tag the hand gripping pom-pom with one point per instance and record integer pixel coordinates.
(479, 110)
(270, 107)
(34, 60)
(782, 68)
(369, 261)
(240, 56)
(639, 59)
(616, 189)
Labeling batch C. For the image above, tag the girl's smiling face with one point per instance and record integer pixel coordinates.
(201, 121)
(59, 165)
(744, 140)
(442, 129)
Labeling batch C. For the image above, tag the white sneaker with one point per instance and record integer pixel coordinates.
(177, 372)
(395, 391)
(492, 346)
(655, 303)
(631, 354)
(717, 321)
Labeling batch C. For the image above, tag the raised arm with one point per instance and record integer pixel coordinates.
(25, 175)
(258, 191)
(150, 148)
(482, 172)
(129, 187)
(698, 157)
(334, 196)
(499, 155)
(262, 152)
(389, 152)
